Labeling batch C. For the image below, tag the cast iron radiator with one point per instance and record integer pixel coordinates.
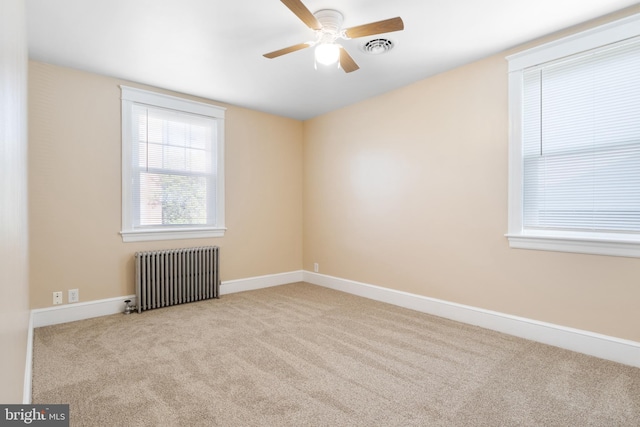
(176, 276)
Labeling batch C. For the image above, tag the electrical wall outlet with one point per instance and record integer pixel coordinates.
(74, 295)
(316, 267)
(57, 298)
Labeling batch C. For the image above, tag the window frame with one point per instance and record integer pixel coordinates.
(130, 233)
(599, 243)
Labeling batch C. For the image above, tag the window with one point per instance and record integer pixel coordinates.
(172, 167)
(574, 149)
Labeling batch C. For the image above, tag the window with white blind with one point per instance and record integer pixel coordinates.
(172, 167)
(574, 182)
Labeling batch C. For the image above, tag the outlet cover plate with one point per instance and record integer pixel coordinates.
(57, 298)
(74, 295)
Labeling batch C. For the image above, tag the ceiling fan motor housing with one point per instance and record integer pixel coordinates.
(331, 21)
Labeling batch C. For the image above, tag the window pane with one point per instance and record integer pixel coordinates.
(173, 199)
(172, 175)
(581, 142)
(175, 154)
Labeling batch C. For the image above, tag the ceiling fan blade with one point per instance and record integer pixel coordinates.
(301, 11)
(346, 61)
(385, 26)
(286, 50)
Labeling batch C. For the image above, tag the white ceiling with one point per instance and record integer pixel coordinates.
(213, 49)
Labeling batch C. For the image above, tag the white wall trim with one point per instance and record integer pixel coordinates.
(595, 246)
(28, 366)
(79, 311)
(260, 282)
(601, 35)
(625, 243)
(590, 343)
(131, 232)
(169, 234)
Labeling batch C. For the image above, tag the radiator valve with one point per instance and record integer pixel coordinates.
(128, 307)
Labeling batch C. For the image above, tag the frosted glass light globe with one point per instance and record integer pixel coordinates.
(327, 53)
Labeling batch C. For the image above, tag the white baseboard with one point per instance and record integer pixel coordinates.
(260, 282)
(79, 311)
(593, 344)
(28, 366)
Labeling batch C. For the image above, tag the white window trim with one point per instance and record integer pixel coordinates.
(132, 95)
(614, 244)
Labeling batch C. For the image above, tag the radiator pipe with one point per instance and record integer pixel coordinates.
(128, 307)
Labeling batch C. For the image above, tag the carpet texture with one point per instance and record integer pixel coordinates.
(303, 355)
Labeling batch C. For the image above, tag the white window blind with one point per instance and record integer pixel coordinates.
(172, 167)
(174, 158)
(581, 141)
(574, 142)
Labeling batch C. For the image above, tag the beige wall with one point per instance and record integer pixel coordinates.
(14, 285)
(74, 190)
(409, 191)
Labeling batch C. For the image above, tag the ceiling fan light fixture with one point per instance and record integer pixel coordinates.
(327, 53)
(327, 25)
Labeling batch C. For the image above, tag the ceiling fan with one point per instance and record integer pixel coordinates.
(327, 24)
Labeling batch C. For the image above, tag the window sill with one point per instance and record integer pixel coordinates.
(171, 234)
(583, 244)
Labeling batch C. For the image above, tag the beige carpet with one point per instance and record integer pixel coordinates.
(302, 355)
